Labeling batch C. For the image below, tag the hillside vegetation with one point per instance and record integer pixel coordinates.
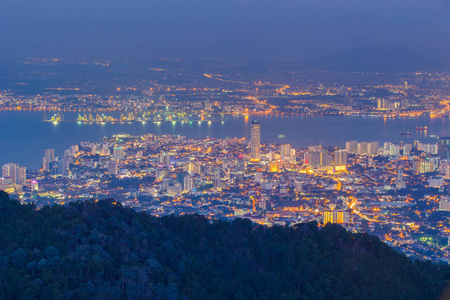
(101, 250)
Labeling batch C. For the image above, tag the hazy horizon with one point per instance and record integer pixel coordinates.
(238, 29)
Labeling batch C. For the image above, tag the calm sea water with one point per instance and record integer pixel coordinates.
(24, 135)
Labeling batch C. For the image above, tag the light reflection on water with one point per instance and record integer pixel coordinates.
(24, 135)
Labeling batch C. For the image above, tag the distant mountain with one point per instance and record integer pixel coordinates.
(377, 58)
(101, 250)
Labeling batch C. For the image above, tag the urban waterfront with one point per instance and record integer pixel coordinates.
(25, 136)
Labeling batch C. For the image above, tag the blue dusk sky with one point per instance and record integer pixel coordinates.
(269, 29)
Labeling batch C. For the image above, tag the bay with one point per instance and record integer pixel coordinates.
(24, 136)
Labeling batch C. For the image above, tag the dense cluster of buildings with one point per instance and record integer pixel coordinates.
(398, 191)
(409, 95)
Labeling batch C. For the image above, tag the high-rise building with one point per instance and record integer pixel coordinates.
(340, 157)
(255, 140)
(444, 147)
(372, 148)
(327, 216)
(45, 164)
(17, 174)
(164, 159)
(119, 153)
(326, 159)
(341, 217)
(445, 169)
(22, 176)
(50, 154)
(351, 147)
(362, 148)
(285, 152)
(188, 183)
(318, 159)
(11, 170)
(382, 104)
(313, 158)
(424, 166)
(49, 157)
(112, 168)
(216, 178)
(348, 100)
(63, 165)
(399, 183)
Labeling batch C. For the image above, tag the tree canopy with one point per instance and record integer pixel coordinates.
(99, 250)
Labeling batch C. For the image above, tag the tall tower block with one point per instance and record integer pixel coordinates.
(256, 140)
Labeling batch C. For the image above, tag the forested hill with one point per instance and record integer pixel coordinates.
(101, 250)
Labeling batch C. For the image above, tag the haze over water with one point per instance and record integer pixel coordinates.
(25, 136)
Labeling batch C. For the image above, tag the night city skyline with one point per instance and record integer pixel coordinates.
(242, 149)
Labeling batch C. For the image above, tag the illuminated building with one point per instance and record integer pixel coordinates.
(351, 147)
(372, 148)
(285, 152)
(313, 158)
(362, 148)
(273, 166)
(22, 176)
(336, 216)
(255, 140)
(49, 157)
(444, 204)
(188, 183)
(444, 147)
(341, 217)
(327, 216)
(119, 153)
(318, 158)
(10, 170)
(17, 174)
(50, 154)
(34, 185)
(428, 148)
(424, 166)
(340, 157)
(382, 104)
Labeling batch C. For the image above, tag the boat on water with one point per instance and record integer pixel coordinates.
(405, 133)
(421, 128)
